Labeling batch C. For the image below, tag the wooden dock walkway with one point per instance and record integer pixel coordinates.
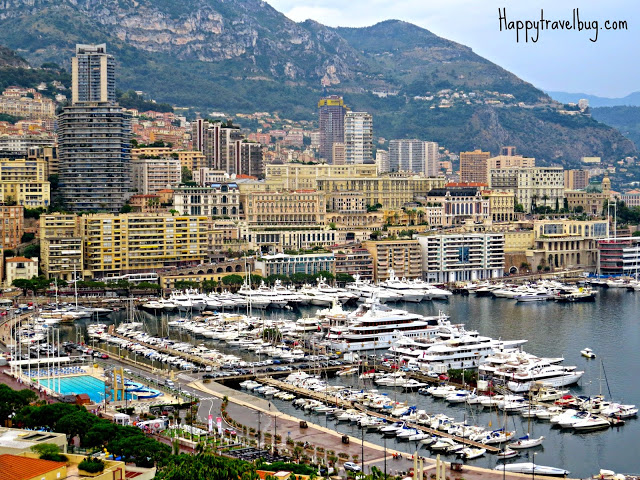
(332, 400)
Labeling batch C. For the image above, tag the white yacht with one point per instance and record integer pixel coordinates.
(376, 326)
(403, 287)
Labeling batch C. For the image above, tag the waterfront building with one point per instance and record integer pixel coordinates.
(354, 261)
(218, 200)
(567, 243)
(215, 271)
(358, 138)
(295, 208)
(532, 186)
(619, 256)
(149, 175)
(414, 156)
(20, 268)
(11, 225)
(331, 113)
(518, 240)
(462, 256)
(24, 182)
(141, 242)
(284, 264)
(404, 257)
(473, 166)
(279, 239)
(60, 246)
(93, 75)
(576, 179)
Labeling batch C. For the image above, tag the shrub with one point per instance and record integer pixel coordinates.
(91, 465)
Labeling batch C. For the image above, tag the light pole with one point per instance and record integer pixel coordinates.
(533, 468)
(362, 452)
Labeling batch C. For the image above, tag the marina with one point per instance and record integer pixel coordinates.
(500, 325)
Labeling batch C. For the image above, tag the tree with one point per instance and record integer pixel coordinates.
(126, 208)
(144, 451)
(76, 423)
(24, 284)
(27, 237)
(187, 176)
(31, 251)
(344, 278)
(49, 451)
(636, 233)
(209, 466)
(232, 279)
(209, 285)
(12, 401)
(518, 207)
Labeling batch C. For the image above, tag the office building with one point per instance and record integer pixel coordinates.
(462, 256)
(24, 182)
(11, 225)
(473, 166)
(358, 138)
(92, 75)
(94, 157)
(283, 264)
(141, 242)
(60, 246)
(414, 156)
(218, 200)
(331, 113)
(149, 175)
(402, 256)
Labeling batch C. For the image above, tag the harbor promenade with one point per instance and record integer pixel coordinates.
(260, 413)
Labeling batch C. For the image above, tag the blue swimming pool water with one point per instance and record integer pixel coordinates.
(92, 386)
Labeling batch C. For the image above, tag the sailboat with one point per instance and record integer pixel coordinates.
(527, 441)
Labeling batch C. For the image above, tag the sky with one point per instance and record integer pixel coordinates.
(560, 60)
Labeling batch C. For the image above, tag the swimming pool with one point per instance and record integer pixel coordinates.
(92, 386)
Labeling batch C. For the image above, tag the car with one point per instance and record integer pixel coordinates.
(443, 377)
(104, 356)
(351, 467)
(208, 375)
(432, 374)
(228, 431)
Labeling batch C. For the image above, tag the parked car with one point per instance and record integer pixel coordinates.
(351, 467)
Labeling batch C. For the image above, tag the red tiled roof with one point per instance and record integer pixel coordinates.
(14, 467)
(19, 260)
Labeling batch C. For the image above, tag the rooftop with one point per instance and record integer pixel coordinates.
(14, 467)
(19, 260)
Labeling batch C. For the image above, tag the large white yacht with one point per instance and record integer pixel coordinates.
(376, 326)
(406, 289)
(465, 351)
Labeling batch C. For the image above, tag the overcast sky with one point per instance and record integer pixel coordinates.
(560, 60)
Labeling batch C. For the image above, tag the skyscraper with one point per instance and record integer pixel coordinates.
(331, 122)
(414, 156)
(473, 166)
(358, 138)
(94, 137)
(92, 75)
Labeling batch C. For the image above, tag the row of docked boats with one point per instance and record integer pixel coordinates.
(542, 290)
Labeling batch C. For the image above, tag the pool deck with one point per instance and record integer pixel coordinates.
(244, 408)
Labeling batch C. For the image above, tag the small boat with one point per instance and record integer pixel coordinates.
(443, 444)
(526, 442)
(532, 468)
(507, 453)
(587, 352)
(471, 453)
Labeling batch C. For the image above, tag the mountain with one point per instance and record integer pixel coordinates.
(9, 58)
(245, 56)
(633, 99)
(625, 119)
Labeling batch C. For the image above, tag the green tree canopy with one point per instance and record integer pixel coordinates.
(207, 466)
(232, 280)
(12, 401)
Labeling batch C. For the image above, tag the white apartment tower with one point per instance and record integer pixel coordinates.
(358, 138)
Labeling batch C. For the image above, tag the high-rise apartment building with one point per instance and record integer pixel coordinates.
(510, 161)
(148, 175)
(11, 225)
(94, 157)
(24, 182)
(382, 161)
(331, 113)
(92, 75)
(339, 154)
(576, 179)
(60, 246)
(473, 166)
(414, 156)
(358, 138)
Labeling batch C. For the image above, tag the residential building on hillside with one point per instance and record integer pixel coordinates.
(221, 200)
(473, 166)
(95, 158)
(358, 138)
(296, 208)
(532, 186)
(631, 198)
(283, 264)
(20, 268)
(205, 176)
(331, 113)
(276, 239)
(510, 161)
(24, 182)
(347, 202)
(149, 175)
(462, 256)
(414, 156)
(354, 261)
(382, 161)
(60, 246)
(20, 144)
(93, 75)
(192, 160)
(11, 225)
(298, 176)
(576, 179)
(339, 154)
(139, 242)
(402, 256)
(30, 105)
(47, 154)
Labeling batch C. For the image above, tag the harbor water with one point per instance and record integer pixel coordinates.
(609, 326)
